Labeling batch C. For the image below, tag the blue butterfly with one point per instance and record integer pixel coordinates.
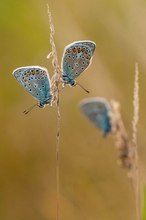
(76, 59)
(36, 81)
(97, 111)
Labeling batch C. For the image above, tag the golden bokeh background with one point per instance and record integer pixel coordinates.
(92, 185)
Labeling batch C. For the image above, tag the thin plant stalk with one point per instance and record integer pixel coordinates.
(55, 83)
(135, 168)
(57, 163)
(128, 150)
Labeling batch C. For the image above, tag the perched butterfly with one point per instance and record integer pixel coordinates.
(97, 111)
(36, 81)
(76, 58)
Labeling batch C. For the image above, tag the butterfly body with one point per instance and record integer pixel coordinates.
(36, 81)
(76, 58)
(97, 111)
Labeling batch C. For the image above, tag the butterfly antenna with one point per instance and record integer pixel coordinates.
(29, 109)
(82, 87)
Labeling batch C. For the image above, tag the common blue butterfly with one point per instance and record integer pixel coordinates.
(36, 81)
(76, 58)
(97, 111)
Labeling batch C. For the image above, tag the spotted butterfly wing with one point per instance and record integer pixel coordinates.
(97, 111)
(76, 58)
(36, 81)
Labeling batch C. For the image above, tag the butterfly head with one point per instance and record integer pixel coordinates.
(67, 80)
(41, 105)
(46, 102)
(72, 83)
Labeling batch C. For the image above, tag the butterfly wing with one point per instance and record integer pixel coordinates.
(76, 58)
(97, 111)
(36, 81)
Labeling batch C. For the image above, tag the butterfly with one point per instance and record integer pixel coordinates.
(97, 110)
(36, 81)
(76, 59)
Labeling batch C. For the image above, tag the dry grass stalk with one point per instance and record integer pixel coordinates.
(127, 150)
(55, 83)
(57, 77)
(134, 146)
(122, 142)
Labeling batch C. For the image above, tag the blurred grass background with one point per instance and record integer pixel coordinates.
(92, 185)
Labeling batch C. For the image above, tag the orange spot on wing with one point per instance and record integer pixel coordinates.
(74, 50)
(79, 50)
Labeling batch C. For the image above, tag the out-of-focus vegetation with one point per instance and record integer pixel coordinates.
(92, 185)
